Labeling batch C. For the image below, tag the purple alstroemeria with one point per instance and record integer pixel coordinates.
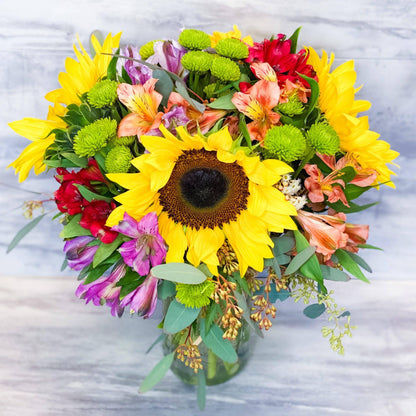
(145, 247)
(104, 289)
(143, 299)
(77, 252)
(137, 72)
(168, 55)
(174, 118)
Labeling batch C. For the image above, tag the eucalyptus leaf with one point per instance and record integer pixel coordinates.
(157, 373)
(360, 261)
(179, 273)
(160, 338)
(164, 85)
(329, 273)
(179, 317)
(350, 265)
(201, 391)
(166, 289)
(283, 244)
(223, 103)
(242, 303)
(315, 310)
(221, 347)
(182, 90)
(23, 232)
(299, 260)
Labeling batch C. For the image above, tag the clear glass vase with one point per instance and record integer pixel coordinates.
(216, 370)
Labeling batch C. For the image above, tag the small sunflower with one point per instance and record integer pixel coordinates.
(203, 195)
(337, 101)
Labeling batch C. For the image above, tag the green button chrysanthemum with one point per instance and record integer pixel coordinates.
(195, 296)
(197, 61)
(103, 93)
(292, 107)
(225, 69)
(147, 50)
(92, 138)
(323, 139)
(118, 160)
(286, 143)
(232, 48)
(194, 39)
(123, 141)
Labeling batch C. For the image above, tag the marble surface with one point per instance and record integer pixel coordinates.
(60, 357)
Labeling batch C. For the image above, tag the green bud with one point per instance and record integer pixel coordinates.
(118, 160)
(225, 69)
(93, 137)
(103, 93)
(285, 143)
(323, 139)
(232, 48)
(194, 39)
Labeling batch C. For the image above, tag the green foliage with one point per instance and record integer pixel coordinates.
(179, 273)
(294, 40)
(158, 372)
(299, 260)
(160, 338)
(213, 340)
(166, 289)
(164, 85)
(349, 264)
(213, 312)
(201, 391)
(223, 103)
(90, 195)
(314, 310)
(179, 317)
(112, 67)
(105, 250)
(340, 207)
(242, 303)
(329, 273)
(23, 232)
(73, 229)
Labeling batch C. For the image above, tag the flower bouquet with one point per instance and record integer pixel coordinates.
(213, 173)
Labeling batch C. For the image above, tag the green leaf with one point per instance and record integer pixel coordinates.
(81, 162)
(223, 103)
(164, 86)
(241, 282)
(166, 289)
(160, 338)
(90, 196)
(105, 250)
(112, 67)
(73, 229)
(347, 174)
(242, 303)
(352, 191)
(181, 89)
(126, 289)
(360, 261)
(340, 207)
(214, 310)
(350, 265)
(201, 392)
(204, 269)
(369, 246)
(294, 39)
(242, 125)
(23, 232)
(158, 372)
(313, 99)
(311, 268)
(315, 310)
(299, 260)
(96, 273)
(283, 244)
(179, 273)
(64, 264)
(330, 273)
(179, 317)
(221, 347)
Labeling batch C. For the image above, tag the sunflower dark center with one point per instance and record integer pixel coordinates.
(204, 187)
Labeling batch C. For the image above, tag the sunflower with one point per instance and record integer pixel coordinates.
(337, 102)
(80, 77)
(203, 193)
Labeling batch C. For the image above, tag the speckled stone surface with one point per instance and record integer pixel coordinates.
(60, 357)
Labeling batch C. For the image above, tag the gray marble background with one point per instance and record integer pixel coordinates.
(58, 357)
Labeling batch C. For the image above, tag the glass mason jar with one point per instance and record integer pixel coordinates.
(216, 370)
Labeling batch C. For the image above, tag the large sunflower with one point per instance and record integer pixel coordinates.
(203, 194)
(337, 102)
(80, 77)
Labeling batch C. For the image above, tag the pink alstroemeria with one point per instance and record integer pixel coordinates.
(145, 247)
(357, 234)
(143, 299)
(325, 232)
(143, 101)
(257, 103)
(105, 289)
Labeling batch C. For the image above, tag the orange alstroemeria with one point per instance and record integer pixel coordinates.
(143, 102)
(325, 232)
(257, 104)
(204, 120)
